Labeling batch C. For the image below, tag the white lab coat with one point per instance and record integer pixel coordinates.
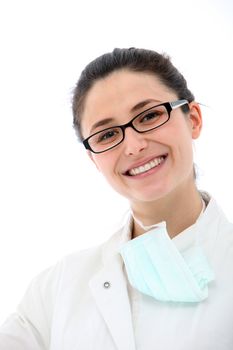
(70, 307)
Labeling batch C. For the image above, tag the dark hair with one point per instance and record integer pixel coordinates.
(136, 60)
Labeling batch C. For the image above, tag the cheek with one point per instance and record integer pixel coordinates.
(181, 144)
(186, 154)
(107, 165)
(104, 164)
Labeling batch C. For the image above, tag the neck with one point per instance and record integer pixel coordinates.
(180, 209)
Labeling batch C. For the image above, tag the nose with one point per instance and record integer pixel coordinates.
(134, 142)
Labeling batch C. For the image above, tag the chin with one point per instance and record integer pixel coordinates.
(149, 196)
(146, 193)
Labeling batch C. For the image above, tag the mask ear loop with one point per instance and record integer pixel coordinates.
(197, 239)
(204, 271)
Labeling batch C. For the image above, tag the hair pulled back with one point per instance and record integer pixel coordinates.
(133, 59)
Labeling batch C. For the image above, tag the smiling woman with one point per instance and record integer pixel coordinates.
(169, 264)
(123, 157)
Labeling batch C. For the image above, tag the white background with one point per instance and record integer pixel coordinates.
(52, 199)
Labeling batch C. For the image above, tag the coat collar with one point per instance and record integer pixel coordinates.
(109, 288)
(113, 302)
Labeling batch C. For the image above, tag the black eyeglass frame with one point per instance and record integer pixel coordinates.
(169, 107)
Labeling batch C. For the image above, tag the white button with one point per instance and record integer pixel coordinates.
(107, 285)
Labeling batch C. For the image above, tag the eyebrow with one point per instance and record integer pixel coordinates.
(101, 123)
(104, 122)
(143, 104)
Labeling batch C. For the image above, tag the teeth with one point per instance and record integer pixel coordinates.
(143, 168)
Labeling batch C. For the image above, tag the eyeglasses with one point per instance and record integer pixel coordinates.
(150, 119)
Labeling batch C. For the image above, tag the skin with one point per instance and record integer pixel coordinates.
(168, 192)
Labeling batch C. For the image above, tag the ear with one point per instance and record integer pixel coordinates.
(90, 155)
(195, 118)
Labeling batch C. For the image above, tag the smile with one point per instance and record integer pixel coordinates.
(146, 167)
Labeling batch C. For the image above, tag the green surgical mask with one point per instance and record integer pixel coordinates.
(156, 267)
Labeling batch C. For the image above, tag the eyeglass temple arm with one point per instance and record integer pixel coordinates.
(178, 103)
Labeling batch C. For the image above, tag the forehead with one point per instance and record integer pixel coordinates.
(114, 96)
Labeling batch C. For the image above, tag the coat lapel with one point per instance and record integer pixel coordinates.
(109, 288)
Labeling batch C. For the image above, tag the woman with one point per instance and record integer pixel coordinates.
(163, 280)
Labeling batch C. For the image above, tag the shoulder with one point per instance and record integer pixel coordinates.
(218, 231)
(78, 266)
(70, 275)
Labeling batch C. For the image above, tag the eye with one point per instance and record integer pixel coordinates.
(108, 136)
(151, 116)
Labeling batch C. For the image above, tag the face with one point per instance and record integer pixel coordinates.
(144, 167)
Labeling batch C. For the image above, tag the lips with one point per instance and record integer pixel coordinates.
(146, 166)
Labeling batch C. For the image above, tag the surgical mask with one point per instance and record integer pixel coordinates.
(156, 268)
